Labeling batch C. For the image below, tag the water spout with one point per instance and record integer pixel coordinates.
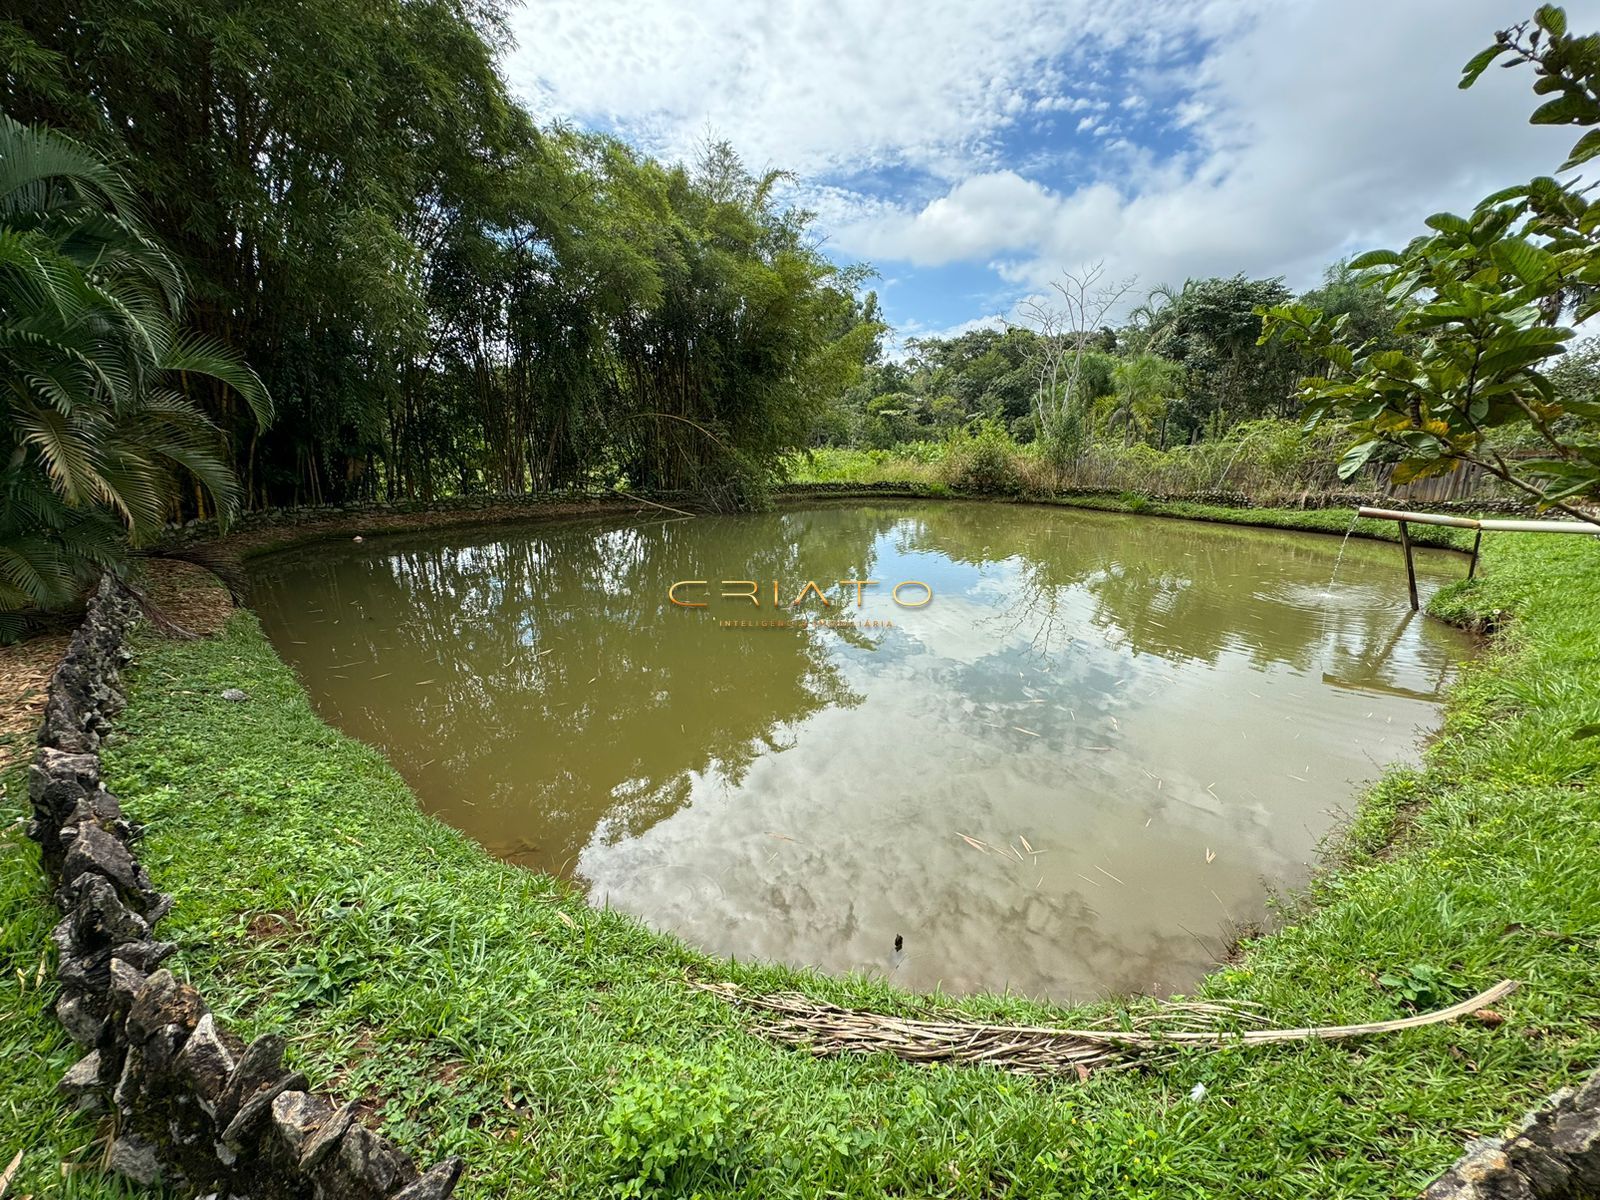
(1339, 558)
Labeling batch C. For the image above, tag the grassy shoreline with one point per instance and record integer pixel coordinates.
(1336, 521)
(490, 1012)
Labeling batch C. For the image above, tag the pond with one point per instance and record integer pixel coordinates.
(1074, 761)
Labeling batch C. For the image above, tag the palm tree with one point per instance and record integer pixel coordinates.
(95, 371)
(1145, 385)
(1150, 323)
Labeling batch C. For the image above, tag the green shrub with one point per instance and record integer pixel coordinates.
(983, 459)
(674, 1124)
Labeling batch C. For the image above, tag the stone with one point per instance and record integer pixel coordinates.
(97, 805)
(1554, 1151)
(296, 1118)
(326, 1140)
(96, 850)
(57, 781)
(129, 1086)
(126, 982)
(1546, 1173)
(367, 1166)
(78, 774)
(163, 1000)
(135, 1158)
(81, 1084)
(256, 1109)
(144, 956)
(101, 918)
(237, 695)
(161, 1050)
(257, 1067)
(157, 905)
(1587, 1097)
(61, 934)
(1484, 1175)
(1574, 1138)
(206, 1062)
(79, 1017)
(85, 973)
(100, 808)
(436, 1183)
(63, 726)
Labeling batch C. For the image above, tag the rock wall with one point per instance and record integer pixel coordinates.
(193, 1106)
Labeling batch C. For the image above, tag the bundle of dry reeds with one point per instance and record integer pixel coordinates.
(825, 1029)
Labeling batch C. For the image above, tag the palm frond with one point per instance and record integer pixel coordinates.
(88, 339)
(205, 356)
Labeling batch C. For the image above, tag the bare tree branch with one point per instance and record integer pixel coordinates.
(1064, 324)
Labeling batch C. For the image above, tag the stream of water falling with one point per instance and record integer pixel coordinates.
(1339, 558)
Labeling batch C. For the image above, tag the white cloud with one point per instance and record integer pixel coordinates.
(1263, 136)
(1066, 104)
(827, 85)
(1320, 129)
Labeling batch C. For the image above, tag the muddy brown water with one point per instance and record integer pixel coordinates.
(1074, 771)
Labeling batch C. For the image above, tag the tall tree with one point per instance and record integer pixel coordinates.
(96, 373)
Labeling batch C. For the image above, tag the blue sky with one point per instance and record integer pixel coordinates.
(970, 151)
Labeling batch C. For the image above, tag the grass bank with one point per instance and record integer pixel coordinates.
(1338, 521)
(483, 1010)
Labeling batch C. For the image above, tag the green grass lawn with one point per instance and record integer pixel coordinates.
(487, 1011)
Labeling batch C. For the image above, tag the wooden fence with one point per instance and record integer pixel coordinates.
(1465, 483)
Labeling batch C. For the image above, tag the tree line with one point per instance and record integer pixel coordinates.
(1178, 366)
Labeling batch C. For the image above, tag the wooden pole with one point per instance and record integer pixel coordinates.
(1411, 566)
(1477, 544)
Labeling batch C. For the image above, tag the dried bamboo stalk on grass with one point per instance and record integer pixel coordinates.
(827, 1029)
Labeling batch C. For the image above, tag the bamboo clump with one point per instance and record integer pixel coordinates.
(827, 1029)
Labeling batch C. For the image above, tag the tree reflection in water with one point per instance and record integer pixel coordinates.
(1136, 720)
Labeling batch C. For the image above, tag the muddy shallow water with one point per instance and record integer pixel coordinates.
(1073, 771)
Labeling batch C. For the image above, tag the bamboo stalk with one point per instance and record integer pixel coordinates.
(825, 1029)
(1499, 525)
(653, 504)
(1485, 524)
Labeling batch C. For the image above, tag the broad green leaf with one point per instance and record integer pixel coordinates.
(1527, 262)
(1569, 108)
(1585, 149)
(1478, 64)
(1551, 18)
(1446, 222)
(1357, 457)
(1375, 258)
